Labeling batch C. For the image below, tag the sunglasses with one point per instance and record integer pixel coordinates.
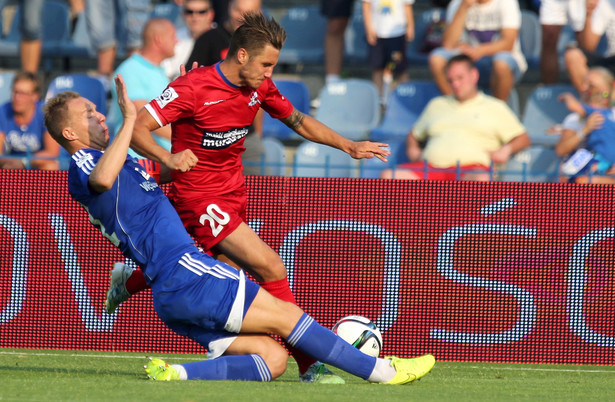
(187, 11)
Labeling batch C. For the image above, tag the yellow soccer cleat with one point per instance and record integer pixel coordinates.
(159, 370)
(409, 370)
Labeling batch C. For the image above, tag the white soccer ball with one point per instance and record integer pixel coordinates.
(361, 333)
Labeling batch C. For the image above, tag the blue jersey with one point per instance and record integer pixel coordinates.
(602, 140)
(19, 140)
(134, 214)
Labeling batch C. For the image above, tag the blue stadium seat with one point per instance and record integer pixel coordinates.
(371, 168)
(414, 51)
(55, 30)
(512, 101)
(543, 110)
(355, 43)
(275, 157)
(170, 11)
(6, 82)
(530, 38)
(534, 164)
(350, 107)
(305, 28)
(86, 86)
(318, 160)
(79, 44)
(404, 106)
(299, 95)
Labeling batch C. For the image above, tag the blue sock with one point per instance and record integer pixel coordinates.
(241, 367)
(322, 344)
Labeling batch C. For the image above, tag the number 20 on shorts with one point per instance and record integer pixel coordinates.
(216, 217)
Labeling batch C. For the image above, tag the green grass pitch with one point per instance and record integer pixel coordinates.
(51, 375)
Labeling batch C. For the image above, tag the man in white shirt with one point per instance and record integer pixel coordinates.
(198, 17)
(488, 32)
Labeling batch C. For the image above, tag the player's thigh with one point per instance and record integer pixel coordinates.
(250, 252)
(270, 350)
(268, 314)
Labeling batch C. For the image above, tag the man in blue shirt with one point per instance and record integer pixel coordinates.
(194, 294)
(22, 132)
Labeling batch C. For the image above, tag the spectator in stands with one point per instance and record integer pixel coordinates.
(469, 129)
(143, 74)
(22, 128)
(554, 14)
(110, 22)
(488, 32)
(198, 16)
(338, 14)
(30, 27)
(210, 48)
(599, 20)
(388, 27)
(589, 132)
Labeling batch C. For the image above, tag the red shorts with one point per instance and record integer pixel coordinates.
(212, 218)
(442, 174)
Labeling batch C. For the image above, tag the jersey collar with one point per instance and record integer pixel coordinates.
(223, 77)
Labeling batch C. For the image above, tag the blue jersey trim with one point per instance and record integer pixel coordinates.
(223, 76)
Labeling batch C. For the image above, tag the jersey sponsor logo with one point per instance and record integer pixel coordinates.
(254, 99)
(222, 139)
(167, 96)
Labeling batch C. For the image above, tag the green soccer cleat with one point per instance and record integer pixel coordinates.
(117, 292)
(409, 370)
(319, 373)
(159, 370)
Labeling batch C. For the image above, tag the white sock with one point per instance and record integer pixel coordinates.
(383, 371)
(181, 371)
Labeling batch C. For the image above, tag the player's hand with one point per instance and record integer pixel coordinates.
(368, 150)
(182, 161)
(182, 68)
(127, 107)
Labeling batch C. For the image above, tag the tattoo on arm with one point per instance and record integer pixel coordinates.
(295, 120)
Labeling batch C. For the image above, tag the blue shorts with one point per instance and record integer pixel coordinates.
(204, 299)
(485, 64)
(389, 51)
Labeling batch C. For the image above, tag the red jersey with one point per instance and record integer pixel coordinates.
(211, 116)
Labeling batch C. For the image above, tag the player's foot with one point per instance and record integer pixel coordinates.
(409, 370)
(319, 373)
(159, 370)
(117, 292)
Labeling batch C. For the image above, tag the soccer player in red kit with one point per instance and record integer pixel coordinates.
(210, 109)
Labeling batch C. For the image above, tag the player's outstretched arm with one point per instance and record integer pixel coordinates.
(313, 130)
(108, 167)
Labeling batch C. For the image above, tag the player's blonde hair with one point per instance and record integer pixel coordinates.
(56, 114)
(255, 33)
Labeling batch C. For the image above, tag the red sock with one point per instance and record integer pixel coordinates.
(136, 282)
(281, 290)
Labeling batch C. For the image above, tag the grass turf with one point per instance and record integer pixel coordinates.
(83, 375)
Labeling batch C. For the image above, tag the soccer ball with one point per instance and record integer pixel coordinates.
(361, 333)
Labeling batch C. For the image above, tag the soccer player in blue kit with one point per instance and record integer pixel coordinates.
(194, 294)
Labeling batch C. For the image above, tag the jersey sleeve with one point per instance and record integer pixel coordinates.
(276, 104)
(81, 165)
(176, 102)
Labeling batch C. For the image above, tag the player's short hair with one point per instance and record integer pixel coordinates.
(255, 33)
(56, 114)
(28, 76)
(460, 58)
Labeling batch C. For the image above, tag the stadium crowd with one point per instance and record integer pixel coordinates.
(549, 55)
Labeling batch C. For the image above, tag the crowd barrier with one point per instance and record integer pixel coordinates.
(468, 271)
